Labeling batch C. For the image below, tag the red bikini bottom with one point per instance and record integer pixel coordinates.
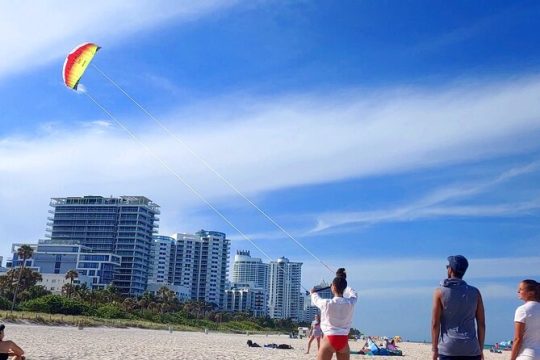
(338, 342)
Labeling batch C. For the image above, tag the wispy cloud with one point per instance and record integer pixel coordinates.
(433, 204)
(35, 33)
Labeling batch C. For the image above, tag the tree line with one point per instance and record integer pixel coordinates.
(19, 291)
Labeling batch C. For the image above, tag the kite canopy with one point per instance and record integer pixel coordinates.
(76, 63)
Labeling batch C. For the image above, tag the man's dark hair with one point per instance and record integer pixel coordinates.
(459, 265)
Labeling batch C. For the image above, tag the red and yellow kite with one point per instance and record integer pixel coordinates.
(76, 63)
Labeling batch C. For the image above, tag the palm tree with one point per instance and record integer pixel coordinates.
(168, 299)
(24, 252)
(82, 292)
(129, 304)
(71, 275)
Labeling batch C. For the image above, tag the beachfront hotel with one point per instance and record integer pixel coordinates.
(200, 262)
(53, 261)
(249, 270)
(245, 298)
(284, 284)
(249, 288)
(161, 270)
(122, 226)
(161, 259)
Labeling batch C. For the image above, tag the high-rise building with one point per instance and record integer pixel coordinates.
(200, 263)
(248, 270)
(284, 283)
(161, 258)
(249, 283)
(122, 226)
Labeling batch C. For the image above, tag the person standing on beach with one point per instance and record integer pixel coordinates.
(336, 318)
(8, 348)
(458, 321)
(526, 344)
(315, 333)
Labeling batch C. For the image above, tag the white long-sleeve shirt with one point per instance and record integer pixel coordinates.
(336, 313)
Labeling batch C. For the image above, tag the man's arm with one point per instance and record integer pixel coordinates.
(436, 312)
(481, 322)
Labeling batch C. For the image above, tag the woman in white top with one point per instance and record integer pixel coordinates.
(526, 344)
(336, 318)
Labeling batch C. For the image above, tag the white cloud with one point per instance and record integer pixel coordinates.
(269, 143)
(34, 33)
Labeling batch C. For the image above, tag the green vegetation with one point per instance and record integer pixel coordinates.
(56, 304)
(80, 306)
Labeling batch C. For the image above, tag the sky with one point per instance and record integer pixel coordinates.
(381, 136)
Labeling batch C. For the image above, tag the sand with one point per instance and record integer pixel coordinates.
(55, 342)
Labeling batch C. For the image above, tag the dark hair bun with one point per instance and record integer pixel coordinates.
(341, 273)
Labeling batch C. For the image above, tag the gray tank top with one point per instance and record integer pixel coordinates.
(458, 321)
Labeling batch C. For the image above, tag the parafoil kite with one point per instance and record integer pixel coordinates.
(76, 63)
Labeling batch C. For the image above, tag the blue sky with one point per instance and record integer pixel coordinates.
(383, 135)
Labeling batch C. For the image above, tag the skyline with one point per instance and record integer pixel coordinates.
(383, 136)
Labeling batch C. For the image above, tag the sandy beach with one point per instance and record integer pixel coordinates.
(51, 342)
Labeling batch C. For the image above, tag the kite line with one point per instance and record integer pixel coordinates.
(212, 169)
(74, 67)
(177, 176)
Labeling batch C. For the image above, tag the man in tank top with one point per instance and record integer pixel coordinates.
(458, 321)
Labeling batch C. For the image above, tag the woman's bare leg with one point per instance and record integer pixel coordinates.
(344, 354)
(326, 351)
(318, 343)
(309, 344)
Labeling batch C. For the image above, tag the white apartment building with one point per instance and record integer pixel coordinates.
(249, 279)
(284, 289)
(182, 292)
(244, 298)
(248, 270)
(55, 282)
(200, 262)
(161, 251)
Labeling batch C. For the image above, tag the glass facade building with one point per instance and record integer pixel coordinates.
(99, 268)
(122, 226)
